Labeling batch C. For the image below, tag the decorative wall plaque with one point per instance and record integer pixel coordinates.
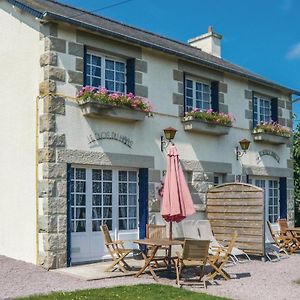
(110, 135)
(268, 153)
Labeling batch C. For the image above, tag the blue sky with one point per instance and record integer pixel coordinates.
(260, 35)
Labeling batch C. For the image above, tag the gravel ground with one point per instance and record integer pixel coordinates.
(254, 280)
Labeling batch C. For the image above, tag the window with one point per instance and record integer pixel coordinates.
(78, 200)
(101, 199)
(127, 200)
(197, 95)
(261, 110)
(106, 72)
(218, 179)
(100, 196)
(271, 193)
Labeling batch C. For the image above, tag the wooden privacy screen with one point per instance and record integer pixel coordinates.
(238, 207)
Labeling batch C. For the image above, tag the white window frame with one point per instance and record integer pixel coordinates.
(272, 217)
(261, 115)
(194, 98)
(103, 58)
(115, 199)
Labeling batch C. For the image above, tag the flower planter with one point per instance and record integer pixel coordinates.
(260, 136)
(94, 109)
(205, 127)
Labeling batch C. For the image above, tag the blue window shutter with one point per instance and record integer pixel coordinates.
(184, 94)
(283, 197)
(130, 72)
(84, 65)
(254, 121)
(69, 169)
(274, 109)
(215, 96)
(143, 201)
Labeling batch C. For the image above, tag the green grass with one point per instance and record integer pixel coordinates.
(142, 291)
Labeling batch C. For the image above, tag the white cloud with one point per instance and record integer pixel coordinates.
(294, 52)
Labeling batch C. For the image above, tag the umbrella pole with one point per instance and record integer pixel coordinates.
(170, 247)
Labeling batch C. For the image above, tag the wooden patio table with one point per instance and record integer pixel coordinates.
(155, 244)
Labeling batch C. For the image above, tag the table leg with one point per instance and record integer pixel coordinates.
(147, 264)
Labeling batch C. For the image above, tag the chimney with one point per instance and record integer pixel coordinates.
(209, 42)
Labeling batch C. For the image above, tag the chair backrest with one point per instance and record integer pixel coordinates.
(205, 232)
(272, 231)
(283, 225)
(156, 231)
(195, 249)
(231, 244)
(106, 234)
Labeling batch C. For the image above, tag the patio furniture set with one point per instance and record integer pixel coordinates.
(194, 253)
(199, 247)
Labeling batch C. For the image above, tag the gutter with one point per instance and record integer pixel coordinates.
(26, 8)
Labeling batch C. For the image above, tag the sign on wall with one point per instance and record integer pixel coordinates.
(110, 135)
(267, 152)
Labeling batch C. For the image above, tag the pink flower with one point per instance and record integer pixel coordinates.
(103, 90)
(130, 95)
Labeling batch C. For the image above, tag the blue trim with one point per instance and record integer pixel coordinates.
(184, 94)
(130, 73)
(26, 8)
(69, 262)
(84, 65)
(143, 202)
(274, 109)
(215, 96)
(254, 122)
(283, 197)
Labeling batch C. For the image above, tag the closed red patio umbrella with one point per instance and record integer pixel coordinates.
(177, 200)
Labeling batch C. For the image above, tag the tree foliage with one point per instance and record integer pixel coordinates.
(296, 155)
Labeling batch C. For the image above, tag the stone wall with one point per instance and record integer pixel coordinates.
(52, 190)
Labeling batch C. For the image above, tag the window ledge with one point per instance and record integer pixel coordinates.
(208, 128)
(270, 138)
(93, 109)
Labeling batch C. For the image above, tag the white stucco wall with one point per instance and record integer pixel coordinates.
(19, 63)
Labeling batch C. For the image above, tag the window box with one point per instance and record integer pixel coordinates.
(94, 109)
(209, 128)
(260, 135)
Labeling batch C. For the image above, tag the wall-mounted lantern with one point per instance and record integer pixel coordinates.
(244, 144)
(169, 134)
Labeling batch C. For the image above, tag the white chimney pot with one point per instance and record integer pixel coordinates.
(209, 42)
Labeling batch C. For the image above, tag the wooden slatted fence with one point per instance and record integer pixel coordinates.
(238, 207)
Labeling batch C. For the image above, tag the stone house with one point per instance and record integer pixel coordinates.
(64, 171)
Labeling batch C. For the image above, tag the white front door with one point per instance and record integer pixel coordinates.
(271, 192)
(101, 196)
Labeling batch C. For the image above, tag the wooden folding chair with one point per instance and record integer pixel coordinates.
(116, 250)
(154, 232)
(220, 258)
(281, 240)
(195, 253)
(292, 236)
